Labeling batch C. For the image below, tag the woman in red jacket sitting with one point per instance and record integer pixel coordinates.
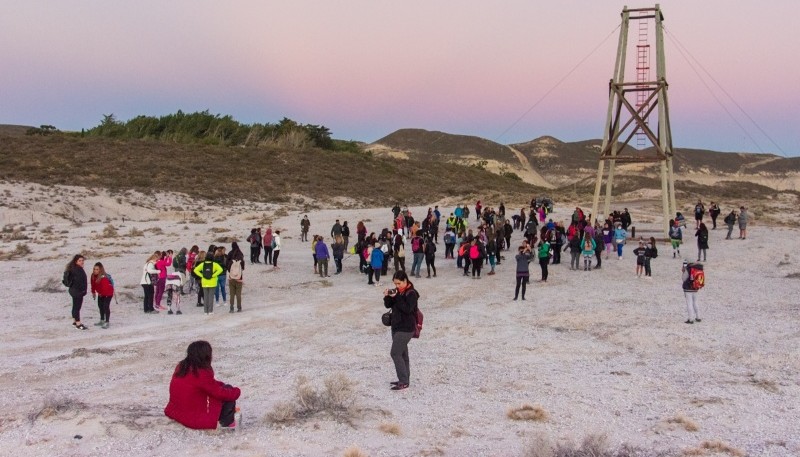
(196, 399)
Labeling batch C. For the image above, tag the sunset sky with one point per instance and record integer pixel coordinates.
(365, 68)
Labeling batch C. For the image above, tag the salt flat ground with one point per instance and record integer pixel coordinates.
(602, 352)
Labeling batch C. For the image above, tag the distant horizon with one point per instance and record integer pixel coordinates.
(508, 72)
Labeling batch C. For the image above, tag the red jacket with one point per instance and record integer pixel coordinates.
(104, 288)
(196, 400)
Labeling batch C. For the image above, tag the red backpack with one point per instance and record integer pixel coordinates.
(418, 326)
(697, 278)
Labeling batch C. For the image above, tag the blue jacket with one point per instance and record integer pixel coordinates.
(321, 251)
(376, 259)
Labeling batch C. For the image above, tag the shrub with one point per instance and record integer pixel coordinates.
(20, 251)
(391, 429)
(110, 231)
(528, 413)
(354, 452)
(135, 232)
(55, 406)
(336, 400)
(50, 286)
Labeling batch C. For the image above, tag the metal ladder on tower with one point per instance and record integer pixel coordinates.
(642, 76)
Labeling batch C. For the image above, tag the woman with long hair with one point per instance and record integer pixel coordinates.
(196, 399)
(402, 300)
(220, 257)
(149, 280)
(103, 290)
(75, 279)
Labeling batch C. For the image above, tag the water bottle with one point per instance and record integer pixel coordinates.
(237, 418)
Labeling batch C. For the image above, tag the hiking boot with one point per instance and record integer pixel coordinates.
(689, 322)
(698, 320)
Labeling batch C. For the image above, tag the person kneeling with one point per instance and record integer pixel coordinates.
(196, 399)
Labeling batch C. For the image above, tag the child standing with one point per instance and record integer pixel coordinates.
(640, 254)
(587, 249)
(651, 252)
(620, 234)
(675, 237)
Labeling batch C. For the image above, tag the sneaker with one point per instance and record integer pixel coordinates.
(231, 426)
(239, 310)
(689, 322)
(178, 312)
(81, 327)
(515, 298)
(211, 312)
(170, 312)
(98, 324)
(698, 320)
(231, 311)
(105, 325)
(400, 386)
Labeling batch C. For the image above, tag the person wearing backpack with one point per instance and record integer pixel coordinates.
(148, 282)
(267, 241)
(449, 242)
(574, 247)
(714, 211)
(702, 241)
(209, 271)
(255, 245)
(477, 252)
(75, 279)
(191, 258)
(693, 279)
(730, 221)
(675, 237)
(587, 249)
(651, 252)
(235, 268)
(403, 301)
(430, 256)
(179, 264)
(102, 291)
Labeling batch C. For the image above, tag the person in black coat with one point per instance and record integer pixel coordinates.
(402, 300)
(75, 279)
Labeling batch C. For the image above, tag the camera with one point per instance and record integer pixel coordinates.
(392, 292)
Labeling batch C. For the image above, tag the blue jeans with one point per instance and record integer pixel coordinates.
(221, 280)
(619, 249)
(415, 267)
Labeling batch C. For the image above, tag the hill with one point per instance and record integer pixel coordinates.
(13, 130)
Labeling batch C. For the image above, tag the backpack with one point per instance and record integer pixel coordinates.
(236, 269)
(208, 269)
(697, 278)
(729, 219)
(419, 317)
(110, 279)
(66, 279)
(449, 238)
(416, 244)
(587, 245)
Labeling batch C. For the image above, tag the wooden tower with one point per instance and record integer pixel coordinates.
(630, 106)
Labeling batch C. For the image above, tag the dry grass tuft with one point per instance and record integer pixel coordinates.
(50, 286)
(135, 232)
(390, 429)
(714, 447)
(20, 251)
(56, 406)
(528, 413)
(335, 400)
(353, 451)
(688, 424)
(219, 230)
(226, 239)
(793, 275)
(591, 446)
(109, 232)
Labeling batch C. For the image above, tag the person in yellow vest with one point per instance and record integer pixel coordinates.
(208, 271)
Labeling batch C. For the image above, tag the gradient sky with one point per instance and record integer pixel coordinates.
(365, 68)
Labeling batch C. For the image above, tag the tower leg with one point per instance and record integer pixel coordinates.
(609, 187)
(665, 198)
(597, 187)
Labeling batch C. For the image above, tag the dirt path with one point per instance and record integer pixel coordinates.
(531, 176)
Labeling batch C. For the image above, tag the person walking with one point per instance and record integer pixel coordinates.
(690, 294)
(234, 265)
(402, 301)
(148, 282)
(102, 291)
(730, 221)
(196, 399)
(376, 263)
(304, 226)
(322, 255)
(714, 211)
(523, 259)
(675, 237)
(702, 241)
(209, 271)
(255, 245)
(75, 279)
(418, 248)
(337, 249)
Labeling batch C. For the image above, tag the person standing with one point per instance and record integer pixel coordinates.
(103, 291)
(276, 250)
(523, 259)
(702, 241)
(399, 248)
(255, 241)
(675, 237)
(690, 294)
(345, 235)
(714, 211)
(221, 258)
(730, 221)
(322, 255)
(304, 226)
(376, 260)
(743, 217)
(402, 301)
(430, 256)
(196, 399)
(161, 284)
(418, 249)
(336, 230)
(77, 283)
(267, 241)
(651, 252)
(337, 249)
(235, 268)
(544, 257)
(148, 282)
(209, 271)
(699, 211)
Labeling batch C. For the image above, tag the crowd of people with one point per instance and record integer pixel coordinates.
(216, 276)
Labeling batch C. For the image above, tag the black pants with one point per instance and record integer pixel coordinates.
(149, 292)
(104, 304)
(599, 261)
(543, 263)
(521, 281)
(338, 262)
(77, 302)
(557, 254)
(275, 255)
(508, 243)
(466, 265)
(647, 266)
(268, 255)
(476, 267)
(448, 250)
(227, 413)
(370, 273)
(429, 264)
(714, 220)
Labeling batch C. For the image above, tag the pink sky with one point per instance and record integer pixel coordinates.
(367, 68)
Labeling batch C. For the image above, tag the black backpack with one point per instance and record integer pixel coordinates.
(208, 269)
(66, 279)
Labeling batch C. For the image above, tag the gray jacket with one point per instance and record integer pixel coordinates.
(522, 262)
